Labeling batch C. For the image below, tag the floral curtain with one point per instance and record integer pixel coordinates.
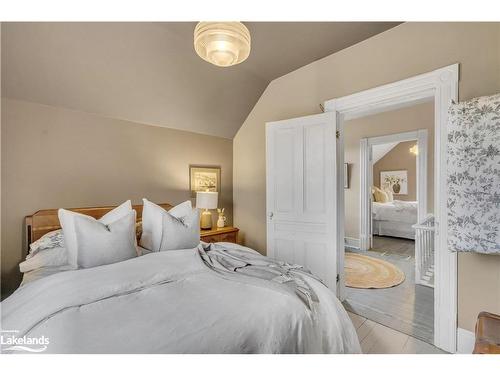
(473, 165)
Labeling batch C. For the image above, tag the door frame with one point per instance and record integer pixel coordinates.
(441, 86)
(366, 179)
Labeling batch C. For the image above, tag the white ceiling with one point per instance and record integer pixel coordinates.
(149, 72)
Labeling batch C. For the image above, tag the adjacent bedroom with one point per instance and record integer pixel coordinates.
(389, 258)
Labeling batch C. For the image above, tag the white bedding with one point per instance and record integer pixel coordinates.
(171, 302)
(399, 211)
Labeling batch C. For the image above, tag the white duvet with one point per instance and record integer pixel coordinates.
(171, 302)
(401, 211)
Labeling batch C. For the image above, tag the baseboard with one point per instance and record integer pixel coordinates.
(352, 243)
(465, 341)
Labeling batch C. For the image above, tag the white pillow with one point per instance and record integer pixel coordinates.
(152, 219)
(390, 195)
(180, 233)
(100, 243)
(54, 257)
(50, 240)
(66, 218)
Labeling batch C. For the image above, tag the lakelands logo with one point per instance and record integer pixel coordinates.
(10, 342)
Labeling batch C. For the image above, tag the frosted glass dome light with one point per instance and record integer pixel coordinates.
(222, 43)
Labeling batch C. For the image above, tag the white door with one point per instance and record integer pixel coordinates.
(301, 193)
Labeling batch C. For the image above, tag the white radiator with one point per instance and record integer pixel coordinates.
(424, 251)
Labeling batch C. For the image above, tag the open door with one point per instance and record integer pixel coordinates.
(301, 193)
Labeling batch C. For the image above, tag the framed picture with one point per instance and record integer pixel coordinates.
(346, 176)
(395, 181)
(203, 178)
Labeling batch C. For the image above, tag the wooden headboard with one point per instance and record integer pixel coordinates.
(45, 221)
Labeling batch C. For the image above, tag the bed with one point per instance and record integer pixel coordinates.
(394, 219)
(214, 298)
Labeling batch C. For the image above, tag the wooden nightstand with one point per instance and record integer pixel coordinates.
(226, 234)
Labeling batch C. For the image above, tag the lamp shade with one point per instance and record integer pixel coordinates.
(222, 43)
(207, 199)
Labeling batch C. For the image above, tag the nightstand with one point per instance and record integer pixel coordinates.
(226, 234)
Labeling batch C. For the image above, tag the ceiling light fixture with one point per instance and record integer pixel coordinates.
(222, 43)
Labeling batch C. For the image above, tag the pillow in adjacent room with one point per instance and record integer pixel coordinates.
(180, 233)
(100, 244)
(390, 195)
(152, 222)
(67, 220)
(381, 196)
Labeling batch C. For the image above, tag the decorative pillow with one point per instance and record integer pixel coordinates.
(66, 218)
(53, 257)
(390, 195)
(180, 233)
(152, 222)
(50, 240)
(381, 196)
(100, 243)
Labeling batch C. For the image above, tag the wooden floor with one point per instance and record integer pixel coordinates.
(407, 308)
(378, 339)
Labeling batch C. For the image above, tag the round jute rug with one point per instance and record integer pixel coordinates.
(365, 272)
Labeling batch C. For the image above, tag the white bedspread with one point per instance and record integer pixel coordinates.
(171, 302)
(401, 211)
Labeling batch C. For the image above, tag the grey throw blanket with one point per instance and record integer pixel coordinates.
(238, 264)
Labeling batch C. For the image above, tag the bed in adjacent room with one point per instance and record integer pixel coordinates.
(394, 218)
(202, 298)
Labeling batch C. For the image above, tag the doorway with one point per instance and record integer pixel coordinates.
(392, 168)
(400, 158)
(440, 86)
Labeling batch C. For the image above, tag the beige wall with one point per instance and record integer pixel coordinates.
(412, 118)
(53, 157)
(397, 159)
(402, 52)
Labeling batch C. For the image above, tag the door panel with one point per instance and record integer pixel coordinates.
(314, 169)
(314, 252)
(284, 166)
(301, 191)
(284, 250)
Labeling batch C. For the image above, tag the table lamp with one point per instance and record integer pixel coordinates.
(206, 200)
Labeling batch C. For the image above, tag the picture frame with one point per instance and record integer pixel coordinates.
(204, 178)
(395, 181)
(346, 175)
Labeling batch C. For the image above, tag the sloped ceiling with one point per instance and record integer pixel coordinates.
(149, 72)
(379, 151)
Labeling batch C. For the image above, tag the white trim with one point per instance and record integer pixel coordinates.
(366, 178)
(365, 199)
(352, 243)
(340, 204)
(397, 137)
(465, 341)
(441, 86)
(422, 173)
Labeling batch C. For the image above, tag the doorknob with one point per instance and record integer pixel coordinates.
(271, 215)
